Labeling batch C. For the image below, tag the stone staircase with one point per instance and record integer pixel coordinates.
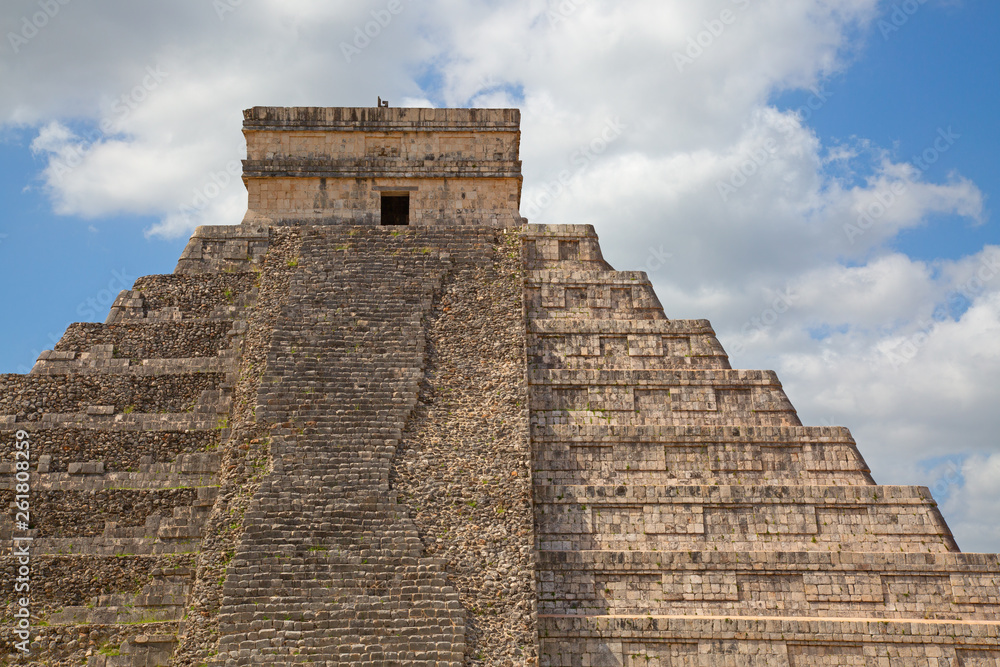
(686, 518)
(332, 567)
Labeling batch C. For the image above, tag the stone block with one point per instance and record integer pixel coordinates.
(88, 468)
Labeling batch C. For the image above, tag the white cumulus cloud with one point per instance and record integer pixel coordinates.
(650, 119)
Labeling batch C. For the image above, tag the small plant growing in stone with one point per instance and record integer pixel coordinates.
(109, 650)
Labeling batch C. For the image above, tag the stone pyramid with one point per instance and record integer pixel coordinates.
(385, 421)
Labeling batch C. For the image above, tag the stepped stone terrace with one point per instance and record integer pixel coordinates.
(387, 421)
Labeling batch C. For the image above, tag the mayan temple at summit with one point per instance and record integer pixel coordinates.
(387, 421)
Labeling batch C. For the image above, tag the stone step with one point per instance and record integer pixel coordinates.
(223, 249)
(734, 641)
(172, 298)
(342, 411)
(623, 378)
(54, 449)
(145, 481)
(128, 645)
(626, 345)
(117, 512)
(878, 585)
(693, 434)
(700, 463)
(667, 397)
(52, 363)
(188, 464)
(621, 295)
(158, 592)
(619, 327)
(118, 615)
(598, 454)
(143, 650)
(78, 589)
(106, 419)
(537, 231)
(105, 395)
(740, 518)
(555, 246)
(150, 340)
(113, 546)
(626, 562)
(552, 278)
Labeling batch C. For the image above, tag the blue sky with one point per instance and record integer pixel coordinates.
(934, 71)
(859, 335)
(898, 87)
(61, 269)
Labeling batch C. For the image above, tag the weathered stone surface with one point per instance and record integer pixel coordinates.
(119, 450)
(244, 455)
(343, 378)
(177, 297)
(684, 517)
(325, 441)
(29, 396)
(149, 341)
(224, 249)
(459, 167)
(463, 463)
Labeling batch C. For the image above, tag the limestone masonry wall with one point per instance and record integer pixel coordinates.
(211, 296)
(224, 249)
(684, 517)
(434, 199)
(459, 167)
(244, 456)
(29, 396)
(120, 451)
(172, 340)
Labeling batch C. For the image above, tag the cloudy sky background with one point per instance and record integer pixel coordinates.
(814, 176)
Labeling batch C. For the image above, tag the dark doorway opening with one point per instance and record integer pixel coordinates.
(395, 209)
